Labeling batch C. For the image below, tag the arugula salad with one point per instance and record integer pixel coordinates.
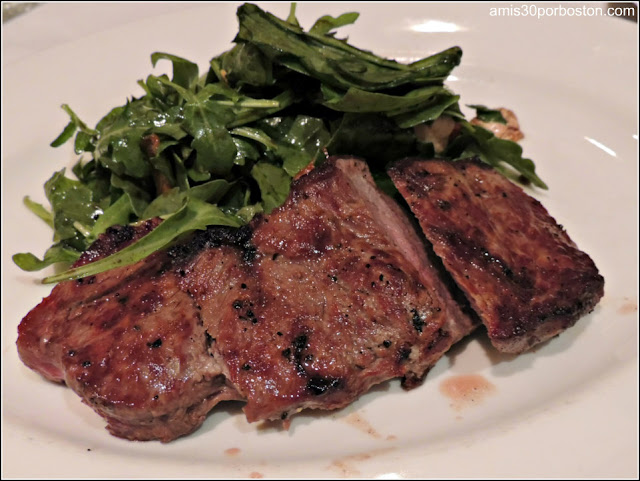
(220, 147)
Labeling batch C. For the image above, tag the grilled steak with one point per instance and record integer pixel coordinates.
(130, 343)
(521, 272)
(307, 307)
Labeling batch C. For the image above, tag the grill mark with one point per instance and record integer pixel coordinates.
(212, 237)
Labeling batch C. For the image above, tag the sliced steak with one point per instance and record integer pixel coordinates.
(521, 272)
(338, 296)
(305, 308)
(129, 342)
(43, 329)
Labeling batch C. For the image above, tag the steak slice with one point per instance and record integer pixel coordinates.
(129, 342)
(338, 295)
(307, 307)
(519, 269)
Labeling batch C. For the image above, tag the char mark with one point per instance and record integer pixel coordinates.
(300, 343)
(215, 236)
(120, 234)
(318, 385)
(416, 320)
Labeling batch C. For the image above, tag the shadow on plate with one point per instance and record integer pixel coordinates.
(503, 364)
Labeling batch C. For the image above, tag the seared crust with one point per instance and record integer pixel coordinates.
(521, 272)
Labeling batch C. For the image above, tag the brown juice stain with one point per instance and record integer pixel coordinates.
(466, 390)
(256, 475)
(392, 437)
(628, 307)
(346, 466)
(232, 451)
(361, 424)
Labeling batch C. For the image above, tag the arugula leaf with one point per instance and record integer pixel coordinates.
(117, 213)
(215, 148)
(57, 253)
(488, 115)
(374, 137)
(357, 100)
(39, 210)
(332, 61)
(245, 64)
(298, 140)
(479, 142)
(139, 193)
(193, 215)
(327, 23)
(74, 124)
(72, 203)
(274, 184)
(185, 73)
(173, 200)
(118, 144)
(416, 107)
(65, 135)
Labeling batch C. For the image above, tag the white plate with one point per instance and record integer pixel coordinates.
(568, 409)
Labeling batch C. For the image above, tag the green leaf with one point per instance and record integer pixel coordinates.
(413, 108)
(488, 115)
(327, 23)
(332, 61)
(84, 143)
(248, 212)
(298, 140)
(165, 204)
(496, 151)
(245, 151)
(118, 213)
(39, 210)
(374, 137)
(216, 151)
(174, 199)
(139, 193)
(198, 176)
(211, 191)
(96, 178)
(247, 115)
(55, 254)
(121, 131)
(71, 128)
(361, 101)
(163, 169)
(384, 183)
(245, 64)
(71, 202)
(257, 135)
(168, 123)
(185, 73)
(194, 215)
(274, 184)
(425, 112)
(65, 135)
(205, 121)
(76, 120)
